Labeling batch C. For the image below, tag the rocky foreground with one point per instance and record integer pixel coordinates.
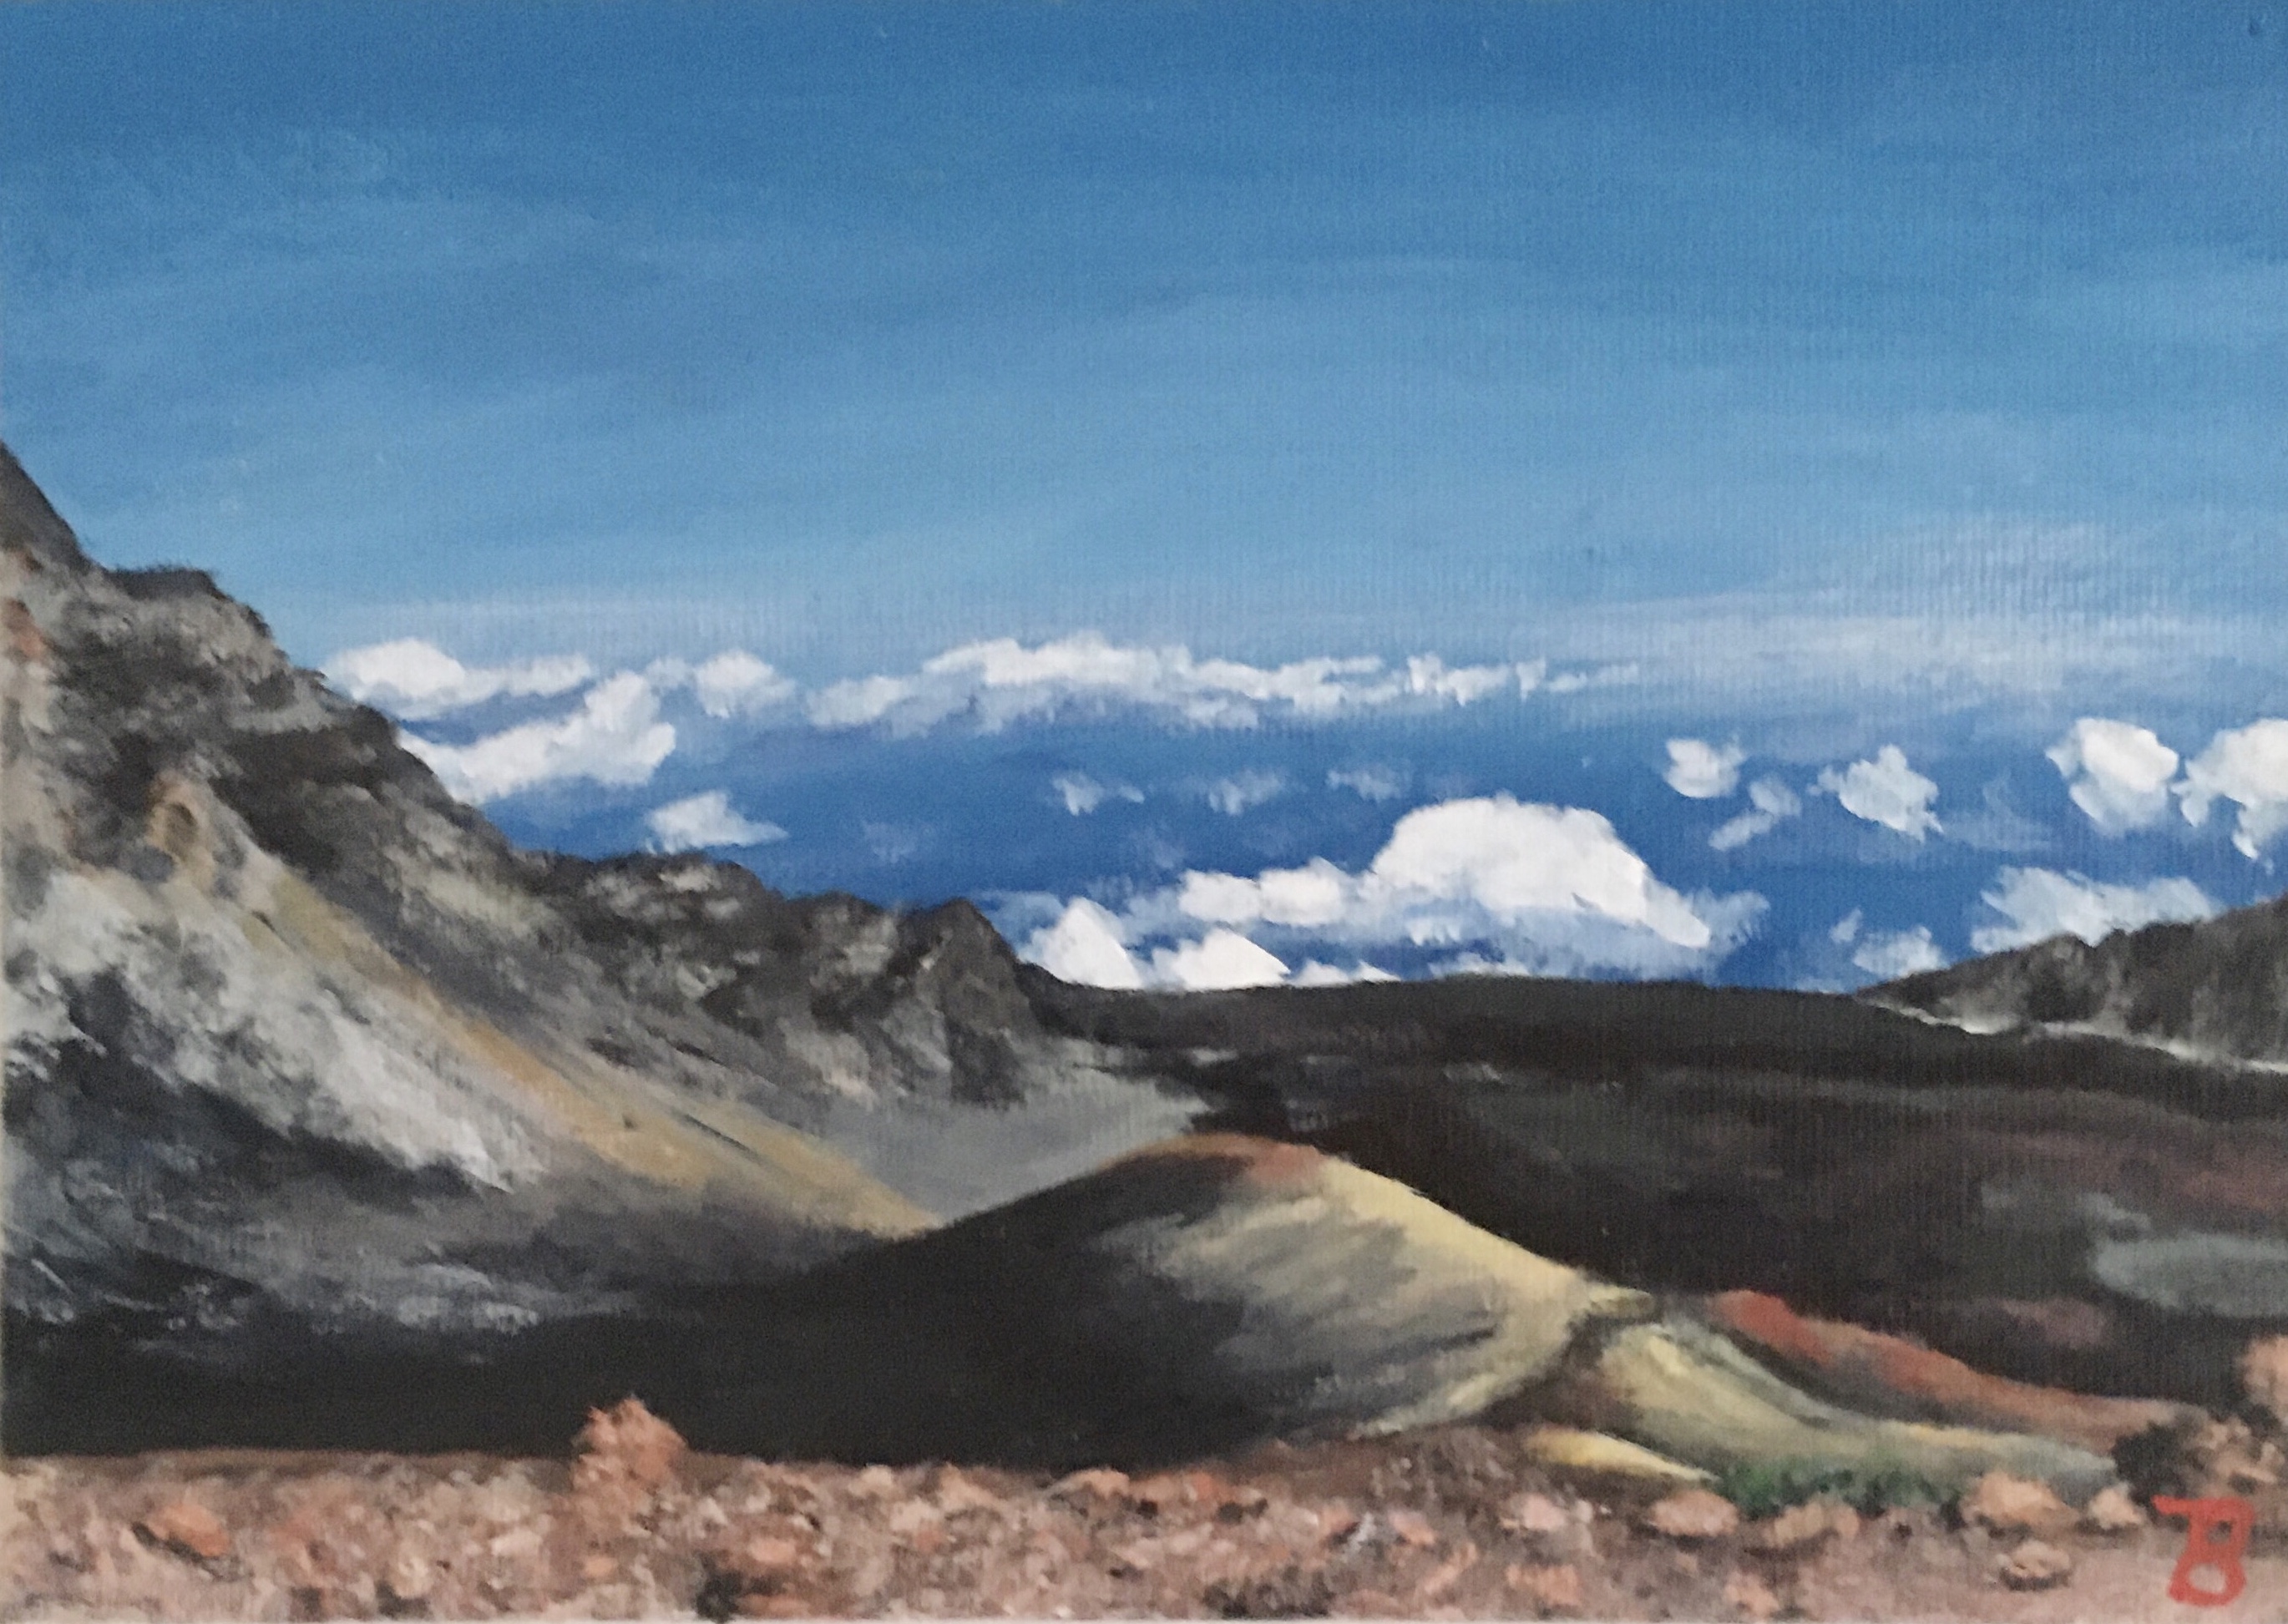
(1464, 1521)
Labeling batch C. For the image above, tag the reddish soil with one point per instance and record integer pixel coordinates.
(1453, 1524)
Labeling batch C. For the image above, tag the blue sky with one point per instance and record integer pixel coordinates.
(1816, 378)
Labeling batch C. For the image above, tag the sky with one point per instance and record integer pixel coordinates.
(1770, 493)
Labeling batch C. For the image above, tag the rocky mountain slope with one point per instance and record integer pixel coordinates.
(298, 1047)
(2218, 987)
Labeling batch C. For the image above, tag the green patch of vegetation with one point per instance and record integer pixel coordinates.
(1761, 1487)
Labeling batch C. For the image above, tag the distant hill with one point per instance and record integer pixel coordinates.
(2061, 1208)
(2218, 987)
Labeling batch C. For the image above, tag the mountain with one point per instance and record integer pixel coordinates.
(300, 1048)
(1193, 1299)
(2217, 988)
(333, 1118)
(2065, 1209)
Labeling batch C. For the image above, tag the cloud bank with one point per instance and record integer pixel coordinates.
(418, 681)
(1000, 681)
(1492, 883)
(615, 737)
(2037, 903)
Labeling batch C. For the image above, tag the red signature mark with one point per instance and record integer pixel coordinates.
(2216, 1538)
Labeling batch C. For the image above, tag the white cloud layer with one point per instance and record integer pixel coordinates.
(1001, 681)
(1770, 803)
(615, 737)
(2117, 773)
(2249, 767)
(418, 681)
(1885, 790)
(702, 822)
(2037, 903)
(1700, 771)
(1505, 885)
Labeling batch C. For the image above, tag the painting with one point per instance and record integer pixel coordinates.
(857, 808)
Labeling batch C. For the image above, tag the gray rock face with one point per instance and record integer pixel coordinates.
(2218, 987)
(297, 1044)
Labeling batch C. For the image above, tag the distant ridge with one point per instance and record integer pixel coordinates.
(2218, 987)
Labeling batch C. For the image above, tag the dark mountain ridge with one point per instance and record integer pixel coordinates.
(2216, 987)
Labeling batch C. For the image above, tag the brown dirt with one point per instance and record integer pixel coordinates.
(1450, 1524)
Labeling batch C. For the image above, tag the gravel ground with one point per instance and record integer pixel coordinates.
(1453, 1524)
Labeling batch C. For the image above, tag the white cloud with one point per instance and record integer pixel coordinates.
(1218, 961)
(1512, 860)
(1890, 955)
(1884, 790)
(2037, 903)
(2248, 765)
(1084, 946)
(1700, 771)
(1243, 792)
(1369, 783)
(1316, 895)
(735, 682)
(1001, 680)
(615, 737)
(418, 681)
(1506, 885)
(858, 702)
(702, 821)
(1771, 802)
(2118, 772)
(1083, 795)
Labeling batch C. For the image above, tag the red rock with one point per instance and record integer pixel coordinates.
(1413, 1528)
(2111, 1511)
(2006, 1504)
(1807, 1525)
(1555, 1590)
(1751, 1595)
(2036, 1566)
(188, 1528)
(2264, 1374)
(1870, 1364)
(627, 1443)
(1535, 1514)
(1101, 1482)
(1693, 1514)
